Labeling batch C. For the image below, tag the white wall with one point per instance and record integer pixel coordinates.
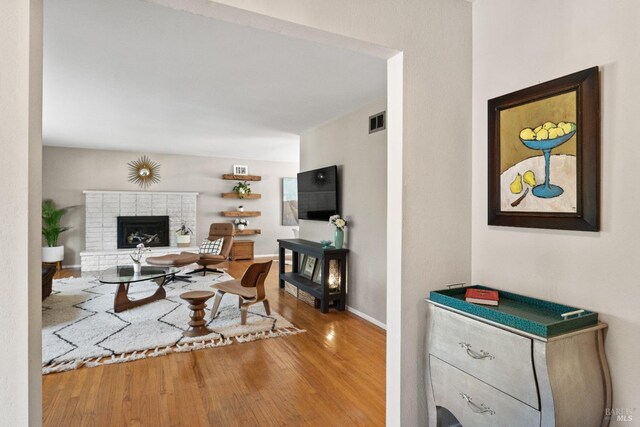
(362, 166)
(435, 37)
(20, 139)
(66, 172)
(598, 271)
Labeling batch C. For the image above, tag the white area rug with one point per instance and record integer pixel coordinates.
(80, 328)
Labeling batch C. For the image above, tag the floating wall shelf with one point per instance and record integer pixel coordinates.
(237, 196)
(240, 214)
(248, 232)
(232, 177)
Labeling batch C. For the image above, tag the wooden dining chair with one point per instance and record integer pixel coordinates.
(250, 290)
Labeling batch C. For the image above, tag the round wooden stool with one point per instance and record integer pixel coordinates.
(197, 302)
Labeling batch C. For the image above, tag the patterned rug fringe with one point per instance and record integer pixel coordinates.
(269, 334)
(179, 348)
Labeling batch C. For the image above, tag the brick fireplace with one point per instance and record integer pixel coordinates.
(101, 222)
(151, 230)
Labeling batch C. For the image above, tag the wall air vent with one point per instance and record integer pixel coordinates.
(377, 122)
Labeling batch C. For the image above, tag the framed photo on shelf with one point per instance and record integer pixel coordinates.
(308, 267)
(544, 155)
(240, 170)
(302, 258)
(317, 275)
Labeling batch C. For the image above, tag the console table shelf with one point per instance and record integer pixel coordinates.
(232, 177)
(330, 269)
(240, 214)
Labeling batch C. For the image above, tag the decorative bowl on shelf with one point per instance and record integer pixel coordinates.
(325, 243)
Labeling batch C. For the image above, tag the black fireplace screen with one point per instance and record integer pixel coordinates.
(150, 230)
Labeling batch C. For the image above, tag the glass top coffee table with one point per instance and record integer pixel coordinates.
(124, 276)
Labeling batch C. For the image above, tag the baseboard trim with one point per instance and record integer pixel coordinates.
(71, 266)
(367, 318)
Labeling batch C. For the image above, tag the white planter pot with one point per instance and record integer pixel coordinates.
(183, 240)
(240, 209)
(241, 227)
(52, 254)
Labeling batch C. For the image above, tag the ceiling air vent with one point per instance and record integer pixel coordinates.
(377, 122)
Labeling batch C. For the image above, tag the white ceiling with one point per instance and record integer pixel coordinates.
(128, 75)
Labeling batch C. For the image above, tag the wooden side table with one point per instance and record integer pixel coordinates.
(197, 301)
(241, 249)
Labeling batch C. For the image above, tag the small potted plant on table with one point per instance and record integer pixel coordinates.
(339, 223)
(183, 235)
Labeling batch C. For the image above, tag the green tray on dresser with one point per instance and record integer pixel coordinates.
(535, 316)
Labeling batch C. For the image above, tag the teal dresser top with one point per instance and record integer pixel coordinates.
(535, 316)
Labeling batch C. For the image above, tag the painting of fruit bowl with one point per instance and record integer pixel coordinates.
(544, 154)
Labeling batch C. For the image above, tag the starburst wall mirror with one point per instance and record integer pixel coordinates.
(144, 172)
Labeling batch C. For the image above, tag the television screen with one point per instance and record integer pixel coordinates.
(318, 194)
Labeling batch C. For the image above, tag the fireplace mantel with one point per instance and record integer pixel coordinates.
(178, 193)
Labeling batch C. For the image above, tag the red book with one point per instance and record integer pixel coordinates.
(481, 296)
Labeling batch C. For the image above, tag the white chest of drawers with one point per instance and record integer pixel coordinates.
(487, 374)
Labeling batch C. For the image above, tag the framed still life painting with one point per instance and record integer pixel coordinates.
(544, 155)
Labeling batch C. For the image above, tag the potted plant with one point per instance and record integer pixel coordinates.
(183, 235)
(242, 189)
(51, 230)
(136, 256)
(240, 208)
(339, 223)
(241, 223)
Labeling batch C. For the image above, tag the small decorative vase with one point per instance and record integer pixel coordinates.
(240, 227)
(338, 238)
(137, 267)
(183, 240)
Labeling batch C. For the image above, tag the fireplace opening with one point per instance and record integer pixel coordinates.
(150, 230)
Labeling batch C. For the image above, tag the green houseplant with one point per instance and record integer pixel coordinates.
(242, 189)
(51, 230)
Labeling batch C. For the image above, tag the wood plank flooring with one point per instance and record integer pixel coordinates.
(332, 375)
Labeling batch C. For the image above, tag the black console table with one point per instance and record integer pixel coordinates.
(332, 276)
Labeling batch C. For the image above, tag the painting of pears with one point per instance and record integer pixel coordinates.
(538, 169)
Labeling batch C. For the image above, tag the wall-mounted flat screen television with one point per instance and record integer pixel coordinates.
(318, 194)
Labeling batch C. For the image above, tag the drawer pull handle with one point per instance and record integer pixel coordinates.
(481, 409)
(481, 355)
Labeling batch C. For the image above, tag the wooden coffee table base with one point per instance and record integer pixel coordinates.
(122, 301)
(197, 302)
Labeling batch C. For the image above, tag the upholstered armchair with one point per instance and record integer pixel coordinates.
(216, 231)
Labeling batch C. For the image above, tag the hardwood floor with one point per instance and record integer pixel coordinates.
(332, 375)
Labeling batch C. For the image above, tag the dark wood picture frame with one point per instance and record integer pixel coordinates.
(585, 84)
(302, 260)
(317, 274)
(308, 267)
